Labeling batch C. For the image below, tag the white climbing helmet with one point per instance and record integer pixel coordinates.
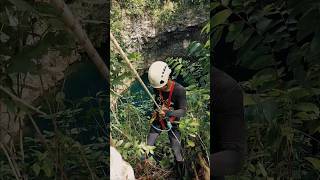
(158, 74)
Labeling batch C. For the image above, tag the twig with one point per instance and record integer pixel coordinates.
(43, 141)
(116, 128)
(86, 162)
(19, 100)
(14, 170)
(73, 24)
(205, 149)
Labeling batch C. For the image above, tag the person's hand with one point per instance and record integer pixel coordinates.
(165, 109)
(163, 112)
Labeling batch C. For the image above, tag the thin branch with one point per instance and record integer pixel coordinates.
(86, 162)
(73, 24)
(19, 100)
(14, 170)
(43, 141)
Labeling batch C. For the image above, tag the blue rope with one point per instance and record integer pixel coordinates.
(165, 130)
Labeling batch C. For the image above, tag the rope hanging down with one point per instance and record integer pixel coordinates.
(132, 68)
(138, 77)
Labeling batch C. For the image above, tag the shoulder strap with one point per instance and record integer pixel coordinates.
(171, 92)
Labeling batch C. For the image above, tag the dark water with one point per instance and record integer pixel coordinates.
(82, 81)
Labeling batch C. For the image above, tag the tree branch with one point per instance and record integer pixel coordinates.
(19, 100)
(73, 24)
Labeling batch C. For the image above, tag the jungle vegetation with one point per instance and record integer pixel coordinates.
(272, 48)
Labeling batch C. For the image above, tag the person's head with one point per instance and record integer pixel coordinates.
(158, 75)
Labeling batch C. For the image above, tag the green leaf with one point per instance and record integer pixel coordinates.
(194, 47)
(248, 100)
(119, 143)
(127, 145)
(36, 168)
(178, 68)
(206, 28)
(225, 2)
(22, 5)
(234, 31)
(263, 24)
(190, 143)
(263, 170)
(216, 36)
(262, 62)
(236, 2)
(214, 5)
(47, 168)
(243, 38)
(257, 59)
(315, 162)
(220, 17)
(251, 168)
(307, 107)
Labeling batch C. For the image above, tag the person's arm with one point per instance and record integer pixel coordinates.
(230, 129)
(181, 104)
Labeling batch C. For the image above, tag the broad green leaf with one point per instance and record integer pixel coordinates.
(251, 168)
(315, 162)
(220, 17)
(307, 107)
(234, 31)
(190, 143)
(47, 167)
(119, 143)
(262, 62)
(214, 5)
(194, 47)
(262, 169)
(257, 59)
(127, 145)
(248, 100)
(216, 36)
(263, 24)
(206, 28)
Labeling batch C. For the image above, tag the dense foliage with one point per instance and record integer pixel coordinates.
(131, 114)
(130, 121)
(278, 42)
(70, 141)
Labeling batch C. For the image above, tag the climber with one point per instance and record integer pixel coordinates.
(171, 97)
(229, 128)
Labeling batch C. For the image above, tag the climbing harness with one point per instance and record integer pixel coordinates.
(166, 121)
(139, 79)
